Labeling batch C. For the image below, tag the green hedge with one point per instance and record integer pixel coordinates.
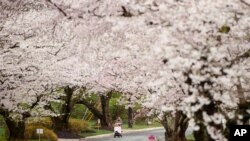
(30, 133)
(43, 121)
(77, 125)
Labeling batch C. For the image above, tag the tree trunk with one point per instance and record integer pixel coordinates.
(61, 123)
(202, 134)
(104, 113)
(166, 135)
(181, 125)
(130, 117)
(175, 129)
(106, 117)
(16, 129)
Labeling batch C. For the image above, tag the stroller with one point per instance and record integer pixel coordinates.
(118, 130)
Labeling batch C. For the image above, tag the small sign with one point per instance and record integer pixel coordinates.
(98, 121)
(39, 131)
(239, 133)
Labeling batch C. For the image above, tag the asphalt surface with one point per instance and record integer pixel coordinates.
(133, 136)
(130, 136)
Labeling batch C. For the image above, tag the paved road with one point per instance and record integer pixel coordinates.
(138, 136)
(131, 136)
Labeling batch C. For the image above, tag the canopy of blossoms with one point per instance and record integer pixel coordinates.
(166, 54)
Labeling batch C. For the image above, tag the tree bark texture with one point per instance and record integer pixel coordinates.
(103, 114)
(130, 117)
(175, 127)
(61, 123)
(16, 130)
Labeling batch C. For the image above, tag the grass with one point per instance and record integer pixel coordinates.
(142, 126)
(3, 139)
(2, 130)
(138, 125)
(2, 134)
(190, 137)
(95, 132)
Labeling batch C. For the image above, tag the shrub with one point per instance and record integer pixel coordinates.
(30, 133)
(77, 125)
(43, 122)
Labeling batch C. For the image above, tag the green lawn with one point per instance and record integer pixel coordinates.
(2, 134)
(95, 132)
(3, 139)
(190, 137)
(2, 130)
(138, 125)
(142, 126)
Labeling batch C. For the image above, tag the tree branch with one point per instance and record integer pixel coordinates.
(244, 2)
(238, 58)
(91, 107)
(59, 9)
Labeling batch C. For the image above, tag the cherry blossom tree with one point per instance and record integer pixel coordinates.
(208, 51)
(30, 55)
(218, 87)
(139, 73)
(212, 55)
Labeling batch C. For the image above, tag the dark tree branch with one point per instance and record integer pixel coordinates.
(245, 55)
(244, 2)
(175, 79)
(34, 104)
(16, 45)
(126, 13)
(91, 107)
(59, 9)
(3, 112)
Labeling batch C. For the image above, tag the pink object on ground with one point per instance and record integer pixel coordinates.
(151, 138)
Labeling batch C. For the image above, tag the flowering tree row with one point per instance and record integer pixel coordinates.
(184, 58)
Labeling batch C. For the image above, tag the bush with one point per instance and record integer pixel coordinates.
(30, 133)
(43, 122)
(77, 126)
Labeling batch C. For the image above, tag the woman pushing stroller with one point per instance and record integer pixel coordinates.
(118, 128)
